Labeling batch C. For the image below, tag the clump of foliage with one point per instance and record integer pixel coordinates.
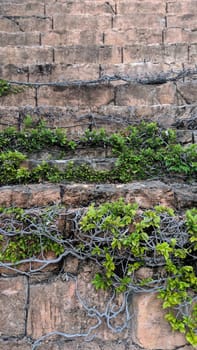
(122, 239)
(34, 138)
(6, 88)
(142, 152)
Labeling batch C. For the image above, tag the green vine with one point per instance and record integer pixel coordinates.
(142, 152)
(6, 88)
(126, 240)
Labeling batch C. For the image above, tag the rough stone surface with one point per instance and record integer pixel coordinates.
(149, 329)
(13, 297)
(14, 345)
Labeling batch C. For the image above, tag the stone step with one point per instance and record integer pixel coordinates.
(93, 95)
(77, 119)
(98, 164)
(145, 193)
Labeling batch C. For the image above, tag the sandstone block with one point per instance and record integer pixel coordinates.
(182, 8)
(140, 20)
(63, 72)
(141, 53)
(29, 196)
(86, 96)
(87, 54)
(8, 117)
(179, 35)
(18, 39)
(133, 35)
(72, 37)
(25, 55)
(186, 21)
(22, 97)
(174, 53)
(14, 72)
(29, 9)
(25, 24)
(14, 345)
(13, 295)
(187, 91)
(65, 22)
(149, 328)
(81, 7)
(193, 54)
(145, 7)
(146, 194)
(136, 94)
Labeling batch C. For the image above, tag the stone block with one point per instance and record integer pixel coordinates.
(175, 53)
(64, 22)
(87, 54)
(142, 53)
(81, 7)
(8, 117)
(146, 194)
(187, 91)
(186, 21)
(29, 9)
(25, 55)
(140, 20)
(84, 96)
(145, 7)
(14, 72)
(133, 35)
(137, 94)
(149, 328)
(13, 298)
(14, 345)
(22, 97)
(72, 37)
(179, 35)
(18, 39)
(28, 196)
(63, 72)
(182, 7)
(25, 24)
(193, 54)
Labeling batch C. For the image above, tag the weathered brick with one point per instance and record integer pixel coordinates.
(72, 37)
(174, 53)
(182, 7)
(81, 7)
(8, 117)
(149, 328)
(179, 35)
(14, 345)
(141, 20)
(187, 91)
(134, 35)
(28, 9)
(193, 54)
(25, 55)
(63, 72)
(187, 21)
(18, 39)
(25, 24)
(65, 22)
(13, 297)
(14, 73)
(142, 53)
(145, 7)
(21, 97)
(87, 54)
(137, 94)
(29, 196)
(87, 96)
